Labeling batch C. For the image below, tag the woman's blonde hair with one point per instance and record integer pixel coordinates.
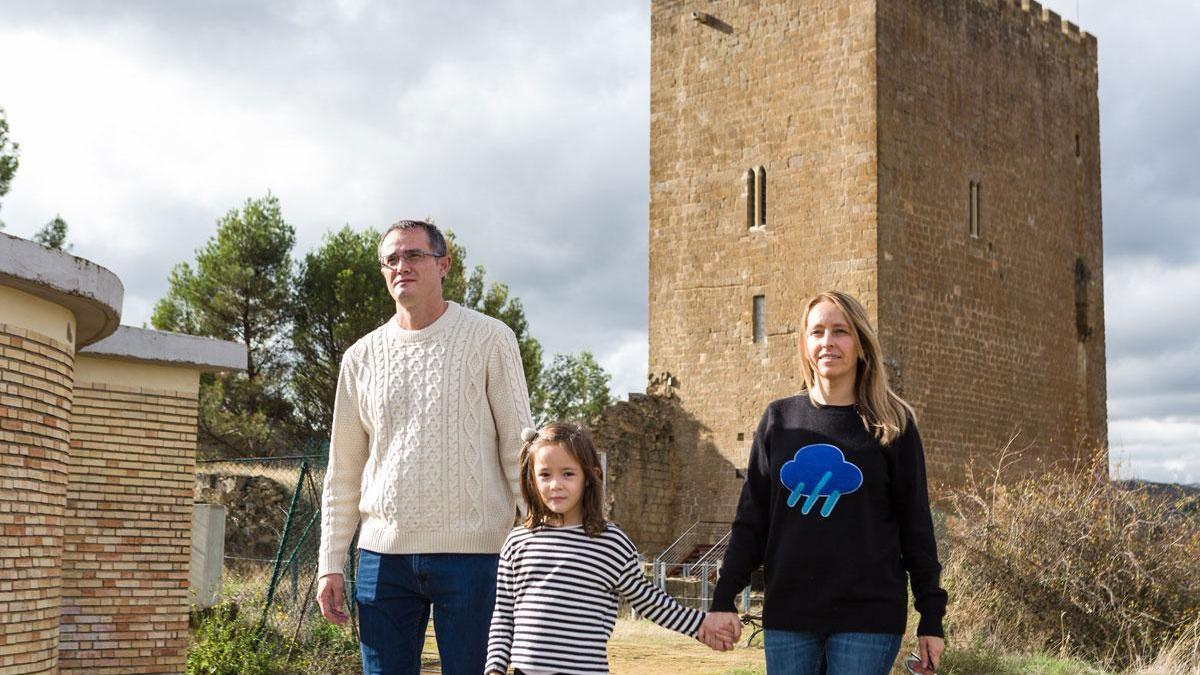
(574, 439)
(884, 414)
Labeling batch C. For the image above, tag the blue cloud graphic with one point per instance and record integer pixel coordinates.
(819, 470)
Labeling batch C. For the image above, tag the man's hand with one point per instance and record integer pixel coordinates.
(720, 630)
(929, 648)
(330, 596)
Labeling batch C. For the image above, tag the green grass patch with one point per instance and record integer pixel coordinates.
(226, 642)
(984, 662)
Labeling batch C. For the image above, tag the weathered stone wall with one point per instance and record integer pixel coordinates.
(790, 88)
(661, 475)
(128, 526)
(36, 374)
(637, 438)
(983, 329)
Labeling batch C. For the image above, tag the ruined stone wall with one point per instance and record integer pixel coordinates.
(663, 475)
(128, 526)
(739, 86)
(983, 330)
(637, 438)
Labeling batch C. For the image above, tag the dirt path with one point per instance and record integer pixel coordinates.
(642, 648)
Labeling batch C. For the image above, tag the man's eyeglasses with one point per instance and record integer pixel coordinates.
(411, 256)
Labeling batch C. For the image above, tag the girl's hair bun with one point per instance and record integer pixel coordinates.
(528, 434)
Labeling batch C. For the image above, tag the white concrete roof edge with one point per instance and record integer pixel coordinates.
(174, 349)
(93, 293)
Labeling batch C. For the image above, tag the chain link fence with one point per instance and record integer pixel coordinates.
(272, 544)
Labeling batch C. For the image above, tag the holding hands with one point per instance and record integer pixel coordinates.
(720, 630)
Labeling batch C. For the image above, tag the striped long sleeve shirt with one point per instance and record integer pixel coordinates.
(556, 600)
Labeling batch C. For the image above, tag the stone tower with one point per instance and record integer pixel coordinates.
(938, 159)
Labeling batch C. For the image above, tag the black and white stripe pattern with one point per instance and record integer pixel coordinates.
(556, 600)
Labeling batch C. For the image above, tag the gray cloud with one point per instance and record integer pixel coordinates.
(509, 123)
(1149, 138)
(1156, 448)
(1149, 141)
(1151, 307)
(523, 127)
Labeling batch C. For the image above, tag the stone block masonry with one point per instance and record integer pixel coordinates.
(938, 160)
(1000, 332)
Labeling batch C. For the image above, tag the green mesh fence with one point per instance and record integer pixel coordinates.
(272, 542)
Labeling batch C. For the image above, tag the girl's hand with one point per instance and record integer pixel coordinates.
(930, 648)
(720, 630)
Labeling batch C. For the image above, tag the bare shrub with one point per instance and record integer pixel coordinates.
(1069, 562)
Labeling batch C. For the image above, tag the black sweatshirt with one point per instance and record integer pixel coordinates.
(836, 519)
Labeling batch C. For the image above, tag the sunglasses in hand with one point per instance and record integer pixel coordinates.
(912, 663)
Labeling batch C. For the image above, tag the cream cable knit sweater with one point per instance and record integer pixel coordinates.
(425, 442)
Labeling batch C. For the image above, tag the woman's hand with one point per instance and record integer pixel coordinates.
(930, 648)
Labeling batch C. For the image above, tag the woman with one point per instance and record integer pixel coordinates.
(835, 507)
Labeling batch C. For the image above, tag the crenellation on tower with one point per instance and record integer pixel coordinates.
(1052, 19)
(1036, 13)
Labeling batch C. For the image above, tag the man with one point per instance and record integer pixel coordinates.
(424, 452)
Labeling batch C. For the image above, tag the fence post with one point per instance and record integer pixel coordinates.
(287, 524)
(746, 599)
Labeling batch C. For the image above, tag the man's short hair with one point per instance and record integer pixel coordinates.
(437, 242)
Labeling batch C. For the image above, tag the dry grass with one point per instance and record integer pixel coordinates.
(644, 648)
(1070, 564)
(1182, 657)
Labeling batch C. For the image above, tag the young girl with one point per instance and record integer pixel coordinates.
(836, 509)
(561, 572)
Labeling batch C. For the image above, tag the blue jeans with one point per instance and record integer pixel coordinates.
(791, 653)
(394, 594)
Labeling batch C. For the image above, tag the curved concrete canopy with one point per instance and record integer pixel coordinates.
(171, 349)
(91, 292)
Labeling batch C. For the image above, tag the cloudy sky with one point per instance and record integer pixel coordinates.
(523, 126)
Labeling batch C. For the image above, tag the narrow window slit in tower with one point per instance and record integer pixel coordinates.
(973, 208)
(762, 196)
(1083, 276)
(1077, 145)
(750, 200)
(760, 321)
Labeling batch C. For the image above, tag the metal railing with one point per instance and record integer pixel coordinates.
(701, 533)
(716, 553)
(688, 568)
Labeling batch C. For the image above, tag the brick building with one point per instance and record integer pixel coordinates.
(937, 159)
(97, 455)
